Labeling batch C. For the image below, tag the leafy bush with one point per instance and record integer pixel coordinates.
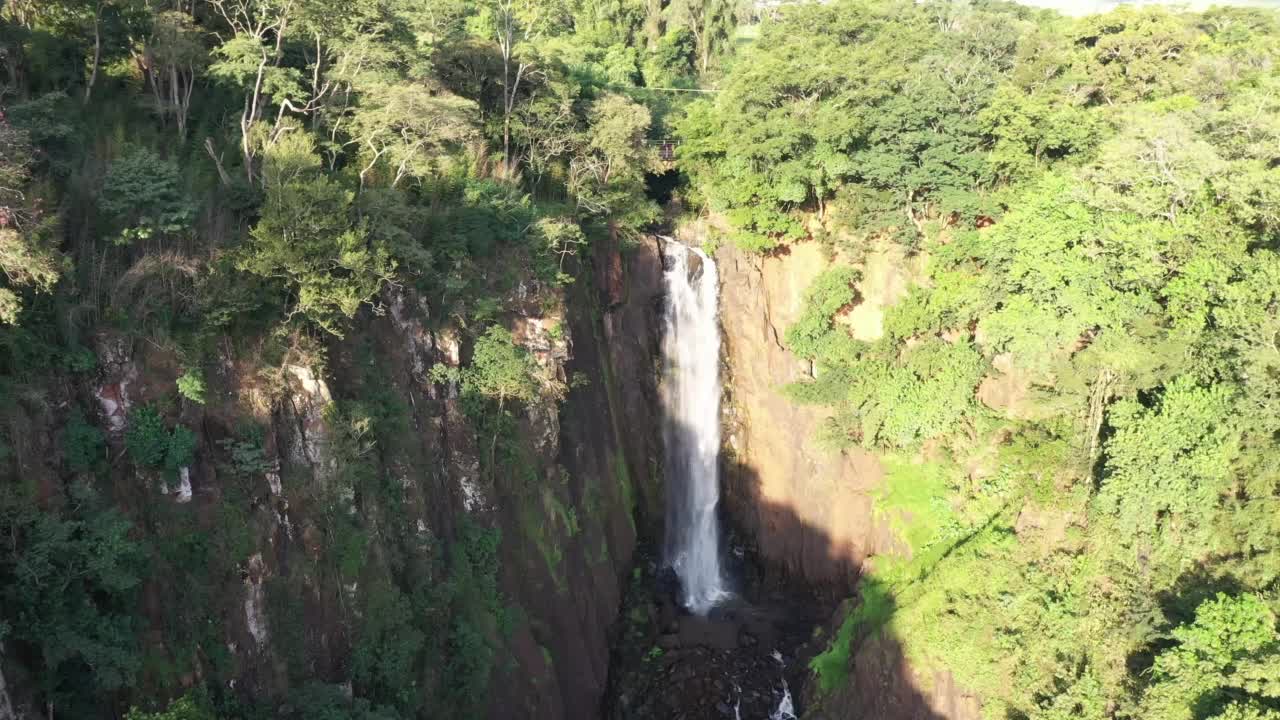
(181, 449)
(384, 662)
(141, 194)
(248, 459)
(829, 293)
(479, 616)
(501, 370)
(191, 385)
(152, 445)
(146, 438)
(79, 359)
(69, 582)
(83, 445)
(1224, 661)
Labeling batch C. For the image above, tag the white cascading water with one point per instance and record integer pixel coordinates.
(691, 388)
(786, 707)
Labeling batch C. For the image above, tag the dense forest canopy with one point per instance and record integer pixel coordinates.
(1096, 202)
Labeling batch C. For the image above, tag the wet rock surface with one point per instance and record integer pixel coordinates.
(739, 661)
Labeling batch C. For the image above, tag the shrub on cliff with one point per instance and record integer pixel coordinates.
(68, 583)
(153, 445)
(815, 332)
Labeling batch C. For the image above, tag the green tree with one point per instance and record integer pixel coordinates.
(501, 370)
(606, 176)
(408, 129)
(1225, 664)
(171, 58)
(83, 445)
(385, 659)
(141, 194)
(251, 60)
(191, 385)
(710, 22)
(1169, 466)
(152, 445)
(68, 593)
(27, 258)
(308, 237)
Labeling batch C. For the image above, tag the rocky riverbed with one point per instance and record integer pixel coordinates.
(745, 660)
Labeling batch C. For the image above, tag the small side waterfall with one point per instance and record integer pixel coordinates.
(691, 431)
(786, 707)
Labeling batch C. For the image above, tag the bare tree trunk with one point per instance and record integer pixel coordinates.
(249, 117)
(184, 104)
(217, 162)
(97, 53)
(173, 97)
(1098, 397)
(6, 705)
(506, 45)
(316, 91)
(506, 103)
(653, 23)
(699, 41)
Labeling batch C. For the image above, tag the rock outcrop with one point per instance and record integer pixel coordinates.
(884, 686)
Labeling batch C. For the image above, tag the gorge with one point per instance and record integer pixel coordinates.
(638, 360)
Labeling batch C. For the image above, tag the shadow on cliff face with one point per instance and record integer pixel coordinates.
(569, 536)
(864, 675)
(754, 650)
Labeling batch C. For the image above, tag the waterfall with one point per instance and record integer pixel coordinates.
(691, 431)
(786, 707)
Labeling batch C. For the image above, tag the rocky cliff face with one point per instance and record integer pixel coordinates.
(810, 512)
(883, 685)
(363, 473)
(568, 556)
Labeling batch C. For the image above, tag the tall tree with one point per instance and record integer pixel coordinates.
(170, 58)
(26, 258)
(253, 58)
(509, 35)
(712, 23)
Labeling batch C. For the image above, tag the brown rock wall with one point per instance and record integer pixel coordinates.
(809, 510)
(884, 686)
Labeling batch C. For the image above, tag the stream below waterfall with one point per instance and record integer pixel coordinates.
(746, 659)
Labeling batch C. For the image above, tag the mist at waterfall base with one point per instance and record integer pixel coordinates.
(691, 426)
